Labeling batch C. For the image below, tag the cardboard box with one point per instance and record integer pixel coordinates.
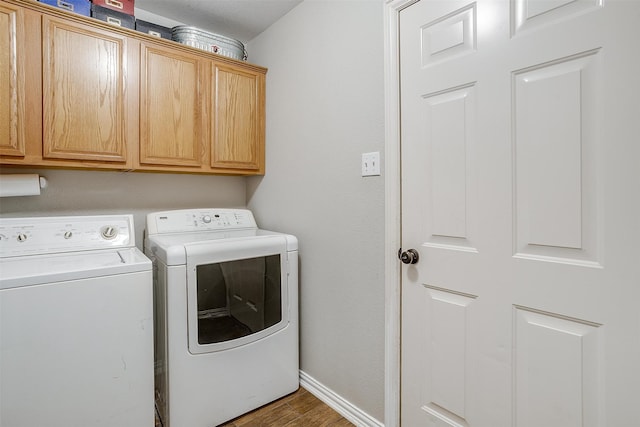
(153, 29)
(82, 7)
(113, 17)
(124, 6)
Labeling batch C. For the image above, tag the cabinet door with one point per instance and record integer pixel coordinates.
(84, 92)
(238, 119)
(11, 80)
(172, 130)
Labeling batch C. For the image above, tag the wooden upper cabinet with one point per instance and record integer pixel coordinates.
(84, 97)
(77, 92)
(238, 118)
(172, 130)
(12, 79)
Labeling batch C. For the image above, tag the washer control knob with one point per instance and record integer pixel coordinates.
(109, 232)
(22, 237)
(206, 219)
(68, 235)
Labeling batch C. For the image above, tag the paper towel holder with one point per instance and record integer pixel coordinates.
(12, 185)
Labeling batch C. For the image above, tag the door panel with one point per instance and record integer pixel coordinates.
(449, 204)
(556, 364)
(556, 197)
(238, 127)
(519, 191)
(172, 108)
(84, 118)
(12, 83)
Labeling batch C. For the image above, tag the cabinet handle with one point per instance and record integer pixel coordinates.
(115, 3)
(65, 5)
(114, 21)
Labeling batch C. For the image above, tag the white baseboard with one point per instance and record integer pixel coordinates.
(338, 403)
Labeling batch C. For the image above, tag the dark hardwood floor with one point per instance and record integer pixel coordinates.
(299, 409)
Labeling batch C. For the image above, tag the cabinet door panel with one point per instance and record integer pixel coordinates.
(238, 127)
(84, 92)
(171, 108)
(11, 81)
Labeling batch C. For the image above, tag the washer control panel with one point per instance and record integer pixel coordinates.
(195, 220)
(32, 236)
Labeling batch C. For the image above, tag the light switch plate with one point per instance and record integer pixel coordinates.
(371, 164)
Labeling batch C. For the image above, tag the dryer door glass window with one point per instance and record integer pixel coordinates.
(238, 298)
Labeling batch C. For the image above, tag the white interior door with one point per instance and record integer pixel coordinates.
(520, 178)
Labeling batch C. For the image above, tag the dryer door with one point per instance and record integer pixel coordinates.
(236, 291)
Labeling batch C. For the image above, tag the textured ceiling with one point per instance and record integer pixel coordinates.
(239, 19)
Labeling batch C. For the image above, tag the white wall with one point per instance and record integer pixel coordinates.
(325, 107)
(78, 192)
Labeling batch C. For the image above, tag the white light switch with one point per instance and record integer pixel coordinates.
(371, 164)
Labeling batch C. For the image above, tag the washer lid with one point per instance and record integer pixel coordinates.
(41, 269)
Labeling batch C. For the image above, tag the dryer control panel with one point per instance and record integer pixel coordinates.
(198, 220)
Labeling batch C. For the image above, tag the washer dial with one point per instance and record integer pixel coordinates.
(109, 232)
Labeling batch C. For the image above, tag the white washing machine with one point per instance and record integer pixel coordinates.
(76, 323)
(226, 296)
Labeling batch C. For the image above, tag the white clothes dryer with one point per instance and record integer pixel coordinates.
(76, 323)
(226, 314)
